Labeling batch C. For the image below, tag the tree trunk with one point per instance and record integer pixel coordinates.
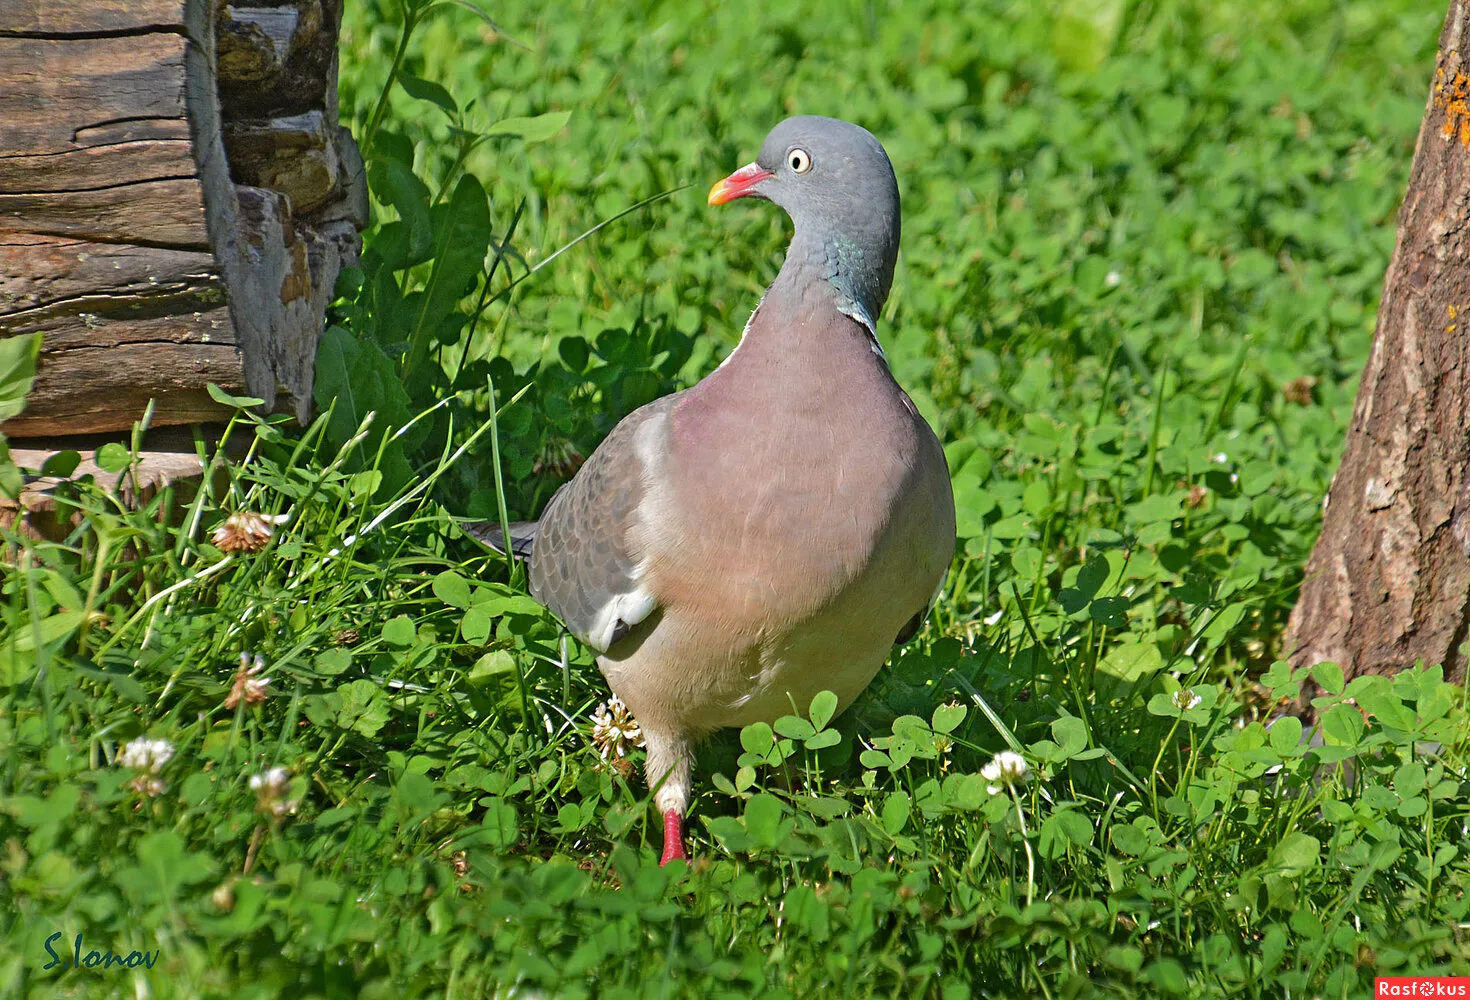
(176, 200)
(1388, 583)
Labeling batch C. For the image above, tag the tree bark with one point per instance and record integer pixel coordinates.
(1388, 583)
(176, 200)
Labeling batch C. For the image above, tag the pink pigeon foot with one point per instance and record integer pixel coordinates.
(673, 838)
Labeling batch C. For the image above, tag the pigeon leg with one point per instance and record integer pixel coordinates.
(668, 775)
(673, 838)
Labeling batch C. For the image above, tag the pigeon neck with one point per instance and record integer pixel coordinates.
(839, 266)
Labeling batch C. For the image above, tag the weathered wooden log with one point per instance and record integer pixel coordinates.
(176, 200)
(170, 461)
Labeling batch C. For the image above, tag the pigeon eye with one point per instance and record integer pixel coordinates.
(799, 160)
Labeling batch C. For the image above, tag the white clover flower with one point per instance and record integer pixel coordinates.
(614, 729)
(1113, 279)
(1005, 770)
(146, 755)
(1185, 699)
(247, 685)
(274, 781)
(270, 789)
(1219, 458)
(246, 531)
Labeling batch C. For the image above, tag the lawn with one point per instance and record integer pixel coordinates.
(1143, 248)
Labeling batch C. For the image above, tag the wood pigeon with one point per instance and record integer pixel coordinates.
(733, 549)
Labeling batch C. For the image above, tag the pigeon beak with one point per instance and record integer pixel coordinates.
(740, 184)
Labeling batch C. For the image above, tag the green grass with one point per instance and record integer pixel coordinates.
(1140, 266)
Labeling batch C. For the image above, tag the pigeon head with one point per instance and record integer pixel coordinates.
(834, 180)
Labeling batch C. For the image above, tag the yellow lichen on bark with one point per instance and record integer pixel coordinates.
(1452, 96)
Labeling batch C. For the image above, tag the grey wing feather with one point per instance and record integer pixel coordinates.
(522, 535)
(582, 566)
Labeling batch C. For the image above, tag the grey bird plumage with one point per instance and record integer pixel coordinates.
(771, 531)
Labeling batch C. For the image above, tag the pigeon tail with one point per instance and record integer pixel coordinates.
(522, 535)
